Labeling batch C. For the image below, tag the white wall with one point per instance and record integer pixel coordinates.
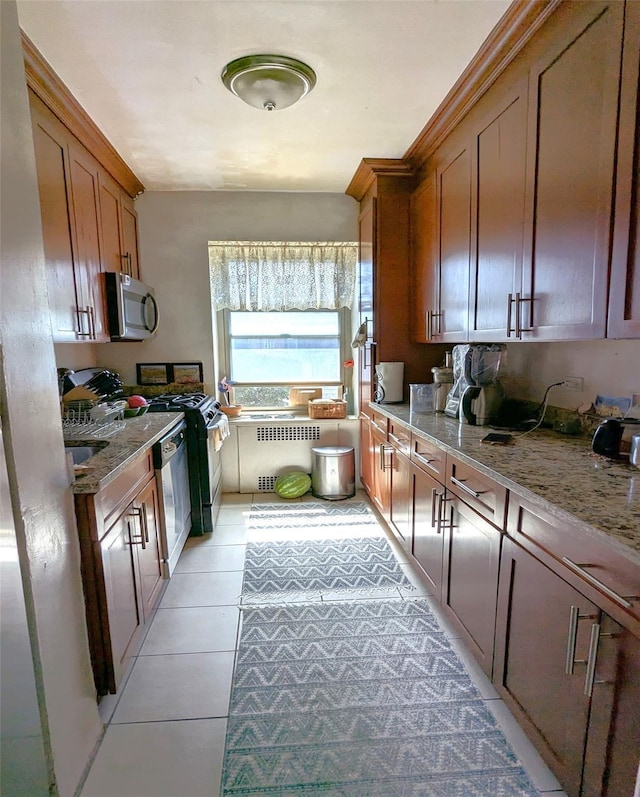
(42, 503)
(175, 228)
(608, 367)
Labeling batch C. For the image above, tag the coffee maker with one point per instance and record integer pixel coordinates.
(476, 394)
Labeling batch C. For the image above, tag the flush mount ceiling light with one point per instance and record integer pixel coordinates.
(268, 82)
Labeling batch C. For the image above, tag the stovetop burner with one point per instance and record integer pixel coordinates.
(170, 402)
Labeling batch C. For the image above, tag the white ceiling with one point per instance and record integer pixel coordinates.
(148, 73)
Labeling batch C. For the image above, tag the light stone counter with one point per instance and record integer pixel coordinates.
(123, 447)
(558, 473)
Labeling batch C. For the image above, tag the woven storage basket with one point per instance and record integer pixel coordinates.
(328, 408)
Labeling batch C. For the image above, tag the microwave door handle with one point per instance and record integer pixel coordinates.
(151, 330)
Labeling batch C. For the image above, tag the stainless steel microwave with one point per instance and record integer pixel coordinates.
(131, 308)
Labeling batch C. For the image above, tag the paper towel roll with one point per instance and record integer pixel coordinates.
(389, 378)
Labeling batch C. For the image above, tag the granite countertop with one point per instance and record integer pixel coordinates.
(558, 473)
(137, 435)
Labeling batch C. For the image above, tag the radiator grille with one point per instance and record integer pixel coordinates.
(266, 483)
(286, 433)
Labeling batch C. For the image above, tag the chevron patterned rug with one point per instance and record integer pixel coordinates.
(359, 699)
(314, 550)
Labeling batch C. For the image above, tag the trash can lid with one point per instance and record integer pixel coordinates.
(332, 451)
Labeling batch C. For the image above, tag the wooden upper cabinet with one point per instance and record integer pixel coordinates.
(624, 295)
(450, 318)
(86, 225)
(571, 141)
(119, 223)
(130, 235)
(423, 259)
(54, 188)
(498, 171)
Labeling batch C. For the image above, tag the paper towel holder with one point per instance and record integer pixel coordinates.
(388, 383)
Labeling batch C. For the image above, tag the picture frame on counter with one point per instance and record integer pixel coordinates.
(168, 373)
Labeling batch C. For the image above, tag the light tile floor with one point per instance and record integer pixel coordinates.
(165, 731)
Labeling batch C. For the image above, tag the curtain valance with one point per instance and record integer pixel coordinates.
(282, 276)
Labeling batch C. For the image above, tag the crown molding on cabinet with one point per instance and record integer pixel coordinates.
(44, 82)
(372, 168)
(520, 22)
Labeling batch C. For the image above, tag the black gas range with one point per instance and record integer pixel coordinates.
(202, 414)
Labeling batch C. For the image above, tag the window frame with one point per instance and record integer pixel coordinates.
(224, 358)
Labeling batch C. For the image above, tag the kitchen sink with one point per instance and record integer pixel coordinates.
(81, 452)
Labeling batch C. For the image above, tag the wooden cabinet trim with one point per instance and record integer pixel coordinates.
(370, 169)
(518, 25)
(44, 82)
(125, 486)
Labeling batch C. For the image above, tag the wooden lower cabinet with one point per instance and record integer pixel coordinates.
(366, 459)
(470, 567)
(380, 455)
(400, 498)
(571, 677)
(119, 531)
(428, 536)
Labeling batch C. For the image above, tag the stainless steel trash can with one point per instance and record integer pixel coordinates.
(333, 472)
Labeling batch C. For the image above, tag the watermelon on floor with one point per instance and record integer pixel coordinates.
(292, 485)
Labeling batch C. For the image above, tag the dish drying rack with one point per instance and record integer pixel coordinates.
(95, 423)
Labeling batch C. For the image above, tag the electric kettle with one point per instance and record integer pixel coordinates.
(606, 438)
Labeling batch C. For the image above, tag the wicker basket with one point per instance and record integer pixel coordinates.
(327, 408)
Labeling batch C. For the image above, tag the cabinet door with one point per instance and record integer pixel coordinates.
(624, 296)
(149, 551)
(130, 236)
(427, 532)
(423, 233)
(122, 590)
(612, 758)
(54, 185)
(366, 455)
(451, 321)
(111, 245)
(542, 645)
(400, 498)
(498, 180)
(84, 190)
(366, 248)
(573, 100)
(471, 562)
(381, 454)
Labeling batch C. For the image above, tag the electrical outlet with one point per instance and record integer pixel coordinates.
(574, 383)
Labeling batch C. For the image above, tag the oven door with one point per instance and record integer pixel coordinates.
(215, 436)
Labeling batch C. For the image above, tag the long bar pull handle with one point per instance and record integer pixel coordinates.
(145, 523)
(572, 637)
(424, 460)
(580, 570)
(590, 677)
(136, 512)
(383, 456)
(83, 311)
(464, 487)
(509, 303)
(92, 322)
(429, 325)
(435, 499)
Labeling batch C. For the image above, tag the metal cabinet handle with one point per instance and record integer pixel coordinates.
(143, 517)
(92, 322)
(580, 570)
(590, 677)
(383, 451)
(459, 483)
(436, 516)
(84, 311)
(510, 301)
(136, 512)
(424, 460)
(429, 325)
(572, 636)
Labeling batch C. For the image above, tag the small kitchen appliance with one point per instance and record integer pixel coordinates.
(204, 419)
(132, 309)
(443, 381)
(475, 366)
(388, 382)
(607, 437)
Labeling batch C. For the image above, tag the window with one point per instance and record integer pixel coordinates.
(270, 353)
(284, 318)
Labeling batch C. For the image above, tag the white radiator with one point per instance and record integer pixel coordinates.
(262, 451)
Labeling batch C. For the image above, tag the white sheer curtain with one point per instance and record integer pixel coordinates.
(282, 276)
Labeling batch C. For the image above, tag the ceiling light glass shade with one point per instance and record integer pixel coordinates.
(268, 82)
